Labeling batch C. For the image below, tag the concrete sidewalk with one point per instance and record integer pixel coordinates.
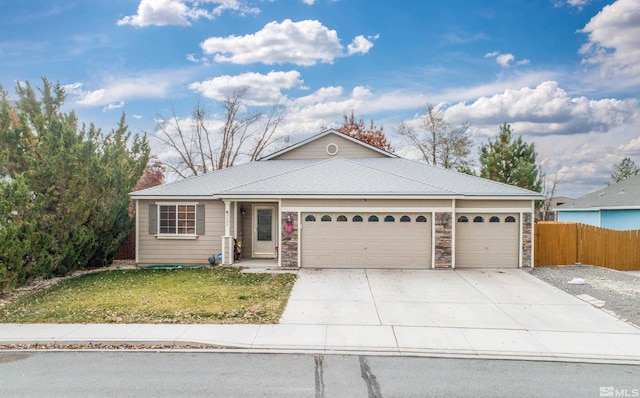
(462, 313)
(391, 340)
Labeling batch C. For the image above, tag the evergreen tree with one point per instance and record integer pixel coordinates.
(623, 170)
(64, 198)
(510, 161)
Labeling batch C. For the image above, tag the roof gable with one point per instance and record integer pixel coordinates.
(328, 144)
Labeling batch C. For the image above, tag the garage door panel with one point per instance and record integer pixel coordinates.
(365, 244)
(487, 244)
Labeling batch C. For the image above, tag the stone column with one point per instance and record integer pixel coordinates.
(289, 249)
(527, 240)
(444, 232)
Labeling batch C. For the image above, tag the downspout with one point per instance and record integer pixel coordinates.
(453, 233)
(138, 229)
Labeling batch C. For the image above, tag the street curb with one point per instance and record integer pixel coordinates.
(199, 347)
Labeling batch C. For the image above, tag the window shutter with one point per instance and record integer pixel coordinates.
(200, 219)
(153, 219)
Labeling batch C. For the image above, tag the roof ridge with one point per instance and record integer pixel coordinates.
(279, 174)
(403, 177)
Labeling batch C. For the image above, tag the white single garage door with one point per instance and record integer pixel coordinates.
(366, 240)
(487, 240)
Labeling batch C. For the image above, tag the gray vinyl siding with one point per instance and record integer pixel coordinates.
(318, 150)
(152, 250)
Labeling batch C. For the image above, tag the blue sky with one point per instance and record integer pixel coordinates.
(564, 73)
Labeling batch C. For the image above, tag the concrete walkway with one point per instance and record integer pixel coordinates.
(462, 313)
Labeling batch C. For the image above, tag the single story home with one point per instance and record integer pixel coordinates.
(616, 206)
(332, 201)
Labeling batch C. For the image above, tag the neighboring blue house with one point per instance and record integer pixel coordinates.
(614, 207)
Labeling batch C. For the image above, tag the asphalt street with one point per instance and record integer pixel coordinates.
(214, 374)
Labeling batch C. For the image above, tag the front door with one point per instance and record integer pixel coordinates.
(264, 231)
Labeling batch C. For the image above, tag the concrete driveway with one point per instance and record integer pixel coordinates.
(486, 299)
(507, 311)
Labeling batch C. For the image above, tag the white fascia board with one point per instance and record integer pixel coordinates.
(601, 208)
(505, 197)
(322, 197)
(420, 197)
(174, 198)
(309, 209)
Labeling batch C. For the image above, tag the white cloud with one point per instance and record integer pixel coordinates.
(578, 3)
(302, 43)
(181, 12)
(263, 89)
(360, 45)
(319, 95)
(125, 88)
(545, 110)
(457, 38)
(613, 43)
(309, 2)
(361, 92)
(196, 60)
(505, 59)
(113, 105)
(137, 116)
(631, 148)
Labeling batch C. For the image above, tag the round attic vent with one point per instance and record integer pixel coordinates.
(332, 149)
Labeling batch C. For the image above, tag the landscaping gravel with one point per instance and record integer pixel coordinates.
(619, 290)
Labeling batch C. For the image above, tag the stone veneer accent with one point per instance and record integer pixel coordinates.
(527, 240)
(289, 249)
(443, 250)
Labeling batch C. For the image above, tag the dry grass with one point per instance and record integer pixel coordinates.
(221, 295)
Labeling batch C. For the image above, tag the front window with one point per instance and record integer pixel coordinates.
(177, 219)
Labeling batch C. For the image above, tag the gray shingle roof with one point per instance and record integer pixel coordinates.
(335, 177)
(625, 193)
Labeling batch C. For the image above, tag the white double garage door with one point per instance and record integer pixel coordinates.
(404, 240)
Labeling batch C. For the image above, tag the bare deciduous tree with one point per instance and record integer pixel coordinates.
(198, 150)
(438, 141)
(549, 195)
(264, 138)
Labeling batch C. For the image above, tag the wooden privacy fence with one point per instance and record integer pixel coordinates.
(559, 243)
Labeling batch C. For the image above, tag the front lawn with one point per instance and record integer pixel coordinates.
(220, 295)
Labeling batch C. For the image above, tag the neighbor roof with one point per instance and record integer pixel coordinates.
(624, 194)
(336, 177)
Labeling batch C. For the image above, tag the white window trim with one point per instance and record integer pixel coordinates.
(176, 236)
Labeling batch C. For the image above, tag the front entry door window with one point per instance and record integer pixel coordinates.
(265, 218)
(264, 231)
